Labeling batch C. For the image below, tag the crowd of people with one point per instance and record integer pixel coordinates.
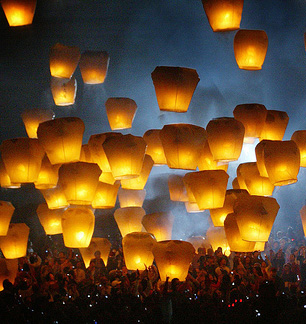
(256, 287)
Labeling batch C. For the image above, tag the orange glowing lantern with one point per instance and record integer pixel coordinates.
(207, 162)
(106, 195)
(93, 66)
(159, 224)
(217, 238)
(192, 207)
(55, 198)
(177, 188)
(5, 180)
(8, 270)
(303, 218)
(174, 87)
(275, 125)
(19, 12)
(6, 213)
(250, 48)
(182, 145)
(63, 91)
(154, 146)
(50, 219)
(299, 137)
(48, 175)
(131, 198)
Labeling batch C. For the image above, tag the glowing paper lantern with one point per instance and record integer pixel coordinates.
(5, 180)
(55, 198)
(253, 117)
(173, 258)
(275, 125)
(139, 182)
(125, 154)
(255, 216)
(96, 244)
(299, 137)
(19, 12)
(22, 159)
(154, 146)
(14, 244)
(48, 175)
(61, 139)
(223, 15)
(182, 145)
(225, 138)
(129, 219)
(137, 250)
(50, 219)
(303, 218)
(106, 195)
(207, 162)
(63, 60)
(93, 66)
(33, 117)
(79, 181)
(208, 187)
(177, 188)
(217, 238)
(198, 242)
(63, 91)
(120, 112)
(174, 87)
(250, 48)
(6, 213)
(8, 270)
(159, 224)
(192, 207)
(78, 226)
(131, 198)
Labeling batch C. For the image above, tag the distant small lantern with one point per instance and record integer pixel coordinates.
(250, 47)
(120, 112)
(255, 216)
(93, 66)
(234, 238)
(303, 218)
(62, 138)
(105, 195)
(177, 189)
(22, 158)
(96, 244)
(206, 160)
(79, 181)
(78, 226)
(275, 125)
(139, 182)
(253, 117)
(19, 12)
(154, 146)
(159, 224)
(50, 219)
(33, 117)
(63, 60)
(217, 238)
(14, 244)
(137, 250)
(5, 180)
(55, 198)
(129, 219)
(299, 137)
(131, 198)
(173, 259)
(63, 91)
(8, 270)
(208, 187)
(192, 207)
(198, 242)
(6, 213)
(48, 175)
(182, 145)
(225, 138)
(125, 154)
(174, 87)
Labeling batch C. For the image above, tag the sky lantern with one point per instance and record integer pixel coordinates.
(22, 159)
(223, 15)
(303, 218)
(198, 242)
(225, 138)
(120, 112)
(105, 195)
(154, 146)
(208, 187)
(182, 145)
(177, 189)
(299, 137)
(217, 238)
(206, 160)
(192, 207)
(79, 181)
(6, 213)
(19, 12)
(253, 117)
(255, 216)
(125, 154)
(174, 87)
(137, 250)
(55, 198)
(131, 198)
(14, 244)
(159, 224)
(78, 227)
(63, 91)
(96, 244)
(249, 176)
(48, 175)
(63, 60)
(93, 66)
(33, 117)
(62, 138)
(275, 125)
(50, 219)
(250, 48)
(8, 270)
(129, 219)
(5, 180)
(173, 258)
(234, 238)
